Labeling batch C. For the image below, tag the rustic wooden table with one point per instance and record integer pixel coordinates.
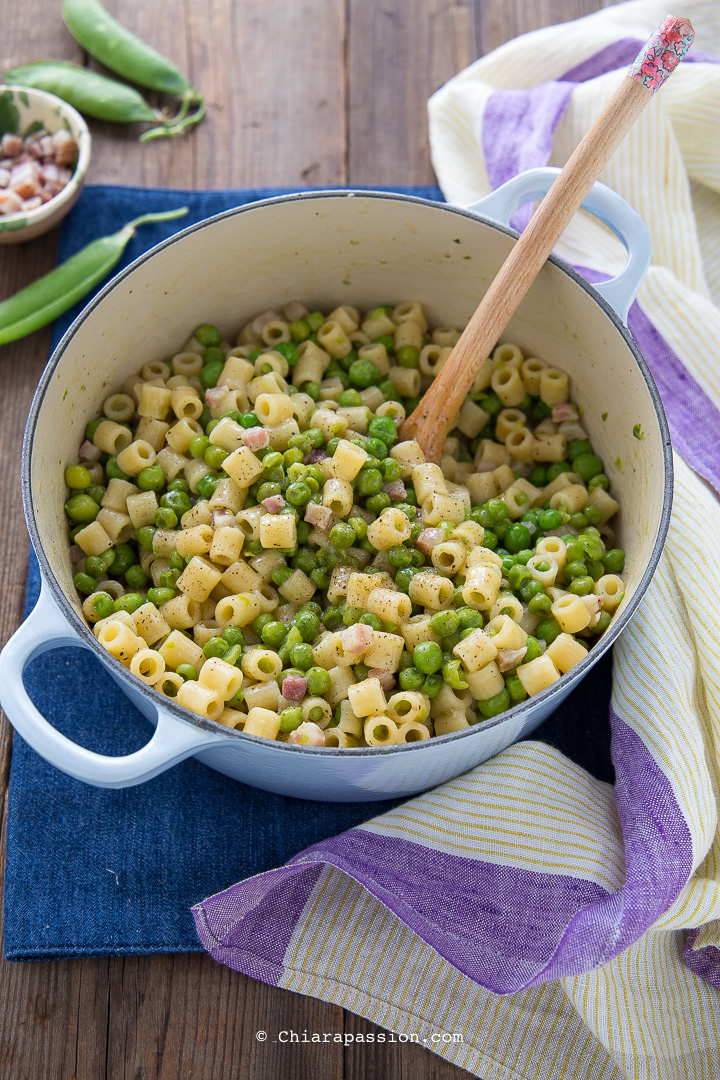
(300, 93)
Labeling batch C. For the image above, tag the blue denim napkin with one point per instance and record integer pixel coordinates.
(95, 872)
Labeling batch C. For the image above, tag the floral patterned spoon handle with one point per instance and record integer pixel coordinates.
(431, 420)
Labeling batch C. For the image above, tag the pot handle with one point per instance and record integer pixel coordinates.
(46, 629)
(603, 203)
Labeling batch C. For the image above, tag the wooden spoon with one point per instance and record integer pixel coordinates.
(430, 423)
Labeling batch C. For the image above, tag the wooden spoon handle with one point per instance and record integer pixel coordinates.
(431, 420)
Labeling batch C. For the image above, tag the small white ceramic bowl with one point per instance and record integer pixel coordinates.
(31, 106)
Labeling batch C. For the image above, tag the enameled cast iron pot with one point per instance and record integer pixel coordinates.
(328, 248)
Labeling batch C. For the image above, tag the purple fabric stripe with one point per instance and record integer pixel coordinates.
(248, 927)
(693, 419)
(504, 927)
(517, 132)
(704, 962)
(621, 54)
(518, 126)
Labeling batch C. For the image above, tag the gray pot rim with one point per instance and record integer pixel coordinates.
(187, 717)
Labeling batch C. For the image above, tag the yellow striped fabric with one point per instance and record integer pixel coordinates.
(645, 1015)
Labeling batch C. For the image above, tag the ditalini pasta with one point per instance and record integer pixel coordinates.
(252, 540)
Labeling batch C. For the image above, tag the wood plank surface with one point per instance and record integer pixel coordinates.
(300, 93)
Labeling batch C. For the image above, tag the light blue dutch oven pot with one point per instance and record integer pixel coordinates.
(327, 248)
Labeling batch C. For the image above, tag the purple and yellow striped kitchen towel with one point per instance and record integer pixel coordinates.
(526, 920)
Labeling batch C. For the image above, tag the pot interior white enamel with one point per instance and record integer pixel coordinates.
(363, 249)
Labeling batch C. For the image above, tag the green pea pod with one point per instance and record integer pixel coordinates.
(39, 303)
(85, 90)
(118, 49)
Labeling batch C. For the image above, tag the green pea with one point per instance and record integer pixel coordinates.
(289, 350)
(408, 356)
(96, 492)
(582, 586)
(382, 427)
(206, 486)
(129, 602)
(160, 595)
(233, 655)
(216, 646)
(600, 481)
(497, 511)
(445, 622)
(576, 569)
(399, 557)
(391, 470)
(165, 518)
(495, 705)
(364, 373)
(84, 583)
(352, 615)
(103, 605)
(614, 561)
(113, 470)
(541, 411)
(550, 519)
(168, 579)
(557, 469)
(123, 558)
(78, 477)
(292, 459)
(179, 501)
(377, 503)
(538, 476)
(516, 537)
(301, 656)
(249, 420)
(432, 685)
(469, 618)
(187, 672)
(540, 604)
(321, 579)
(515, 688)
(454, 675)
(299, 330)
(318, 681)
(573, 549)
(291, 718)
(368, 482)
(136, 576)
(428, 657)
(97, 565)
(208, 335)
(234, 635)
(342, 535)
(92, 428)
(179, 484)
(308, 623)
(411, 679)
(260, 622)
(533, 648)
(81, 508)
(151, 478)
(145, 537)
(602, 624)
(214, 456)
(529, 589)
(576, 447)
(349, 399)
(548, 630)
(274, 634)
